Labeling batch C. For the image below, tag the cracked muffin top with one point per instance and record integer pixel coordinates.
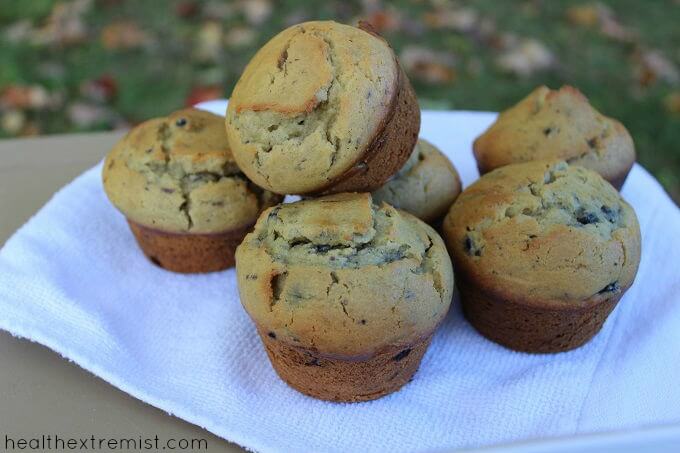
(309, 104)
(177, 174)
(343, 276)
(557, 124)
(544, 232)
(426, 185)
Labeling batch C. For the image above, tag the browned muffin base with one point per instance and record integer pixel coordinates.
(619, 179)
(340, 380)
(388, 151)
(534, 329)
(188, 253)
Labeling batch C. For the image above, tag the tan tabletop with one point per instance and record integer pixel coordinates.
(40, 392)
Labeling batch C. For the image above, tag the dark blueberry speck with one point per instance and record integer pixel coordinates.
(181, 122)
(609, 213)
(610, 288)
(402, 355)
(587, 218)
(271, 335)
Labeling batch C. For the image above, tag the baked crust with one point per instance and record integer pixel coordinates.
(557, 124)
(426, 186)
(177, 174)
(543, 251)
(343, 276)
(349, 125)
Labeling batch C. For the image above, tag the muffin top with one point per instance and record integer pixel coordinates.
(343, 276)
(309, 103)
(544, 232)
(556, 124)
(426, 185)
(177, 174)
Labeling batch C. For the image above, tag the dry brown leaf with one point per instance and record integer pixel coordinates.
(218, 10)
(65, 24)
(203, 93)
(102, 89)
(384, 20)
(12, 121)
(653, 66)
(187, 8)
(240, 36)
(85, 115)
(460, 19)
(672, 103)
(583, 15)
(208, 42)
(26, 97)
(256, 12)
(123, 35)
(525, 58)
(598, 15)
(427, 65)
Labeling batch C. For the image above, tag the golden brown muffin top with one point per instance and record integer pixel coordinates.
(544, 232)
(177, 174)
(343, 276)
(309, 103)
(426, 185)
(556, 124)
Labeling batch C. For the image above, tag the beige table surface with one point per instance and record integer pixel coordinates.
(40, 392)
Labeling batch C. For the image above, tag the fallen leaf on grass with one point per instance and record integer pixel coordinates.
(459, 19)
(583, 15)
(101, 89)
(240, 36)
(187, 8)
(26, 97)
(12, 121)
(85, 115)
(383, 20)
(123, 35)
(526, 57)
(428, 65)
(203, 93)
(65, 24)
(672, 103)
(653, 66)
(256, 12)
(594, 15)
(208, 42)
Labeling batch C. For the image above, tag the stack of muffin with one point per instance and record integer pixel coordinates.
(347, 286)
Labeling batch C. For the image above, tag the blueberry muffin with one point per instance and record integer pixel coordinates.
(187, 203)
(557, 124)
(323, 108)
(426, 185)
(543, 251)
(345, 294)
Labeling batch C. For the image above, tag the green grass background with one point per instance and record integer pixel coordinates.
(153, 80)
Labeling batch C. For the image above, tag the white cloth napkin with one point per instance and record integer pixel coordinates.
(74, 280)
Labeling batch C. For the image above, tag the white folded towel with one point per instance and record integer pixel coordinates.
(74, 280)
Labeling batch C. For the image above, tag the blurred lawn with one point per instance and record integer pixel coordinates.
(91, 65)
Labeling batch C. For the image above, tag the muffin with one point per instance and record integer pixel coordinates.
(345, 294)
(543, 251)
(426, 185)
(323, 108)
(557, 124)
(187, 203)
